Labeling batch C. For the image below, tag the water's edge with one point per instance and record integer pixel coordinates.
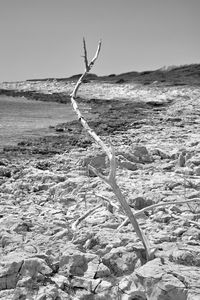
(22, 118)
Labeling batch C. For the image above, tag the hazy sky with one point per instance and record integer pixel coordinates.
(43, 38)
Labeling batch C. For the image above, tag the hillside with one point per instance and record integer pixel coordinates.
(182, 75)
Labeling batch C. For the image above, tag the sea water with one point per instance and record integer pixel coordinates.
(21, 118)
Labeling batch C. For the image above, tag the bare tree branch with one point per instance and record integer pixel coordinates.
(75, 224)
(84, 123)
(85, 56)
(139, 212)
(107, 200)
(110, 180)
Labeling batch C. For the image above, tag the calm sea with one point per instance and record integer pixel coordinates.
(21, 118)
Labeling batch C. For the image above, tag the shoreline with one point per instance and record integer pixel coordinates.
(106, 116)
(109, 117)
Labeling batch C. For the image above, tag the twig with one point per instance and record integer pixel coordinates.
(111, 205)
(137, 213)
(75, 224)
(85, 56)
(107, 200)
(111, 178)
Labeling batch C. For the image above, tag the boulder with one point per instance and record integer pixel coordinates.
(97, 160)
(84, 284)
(73, 263)
(158, 284)
(126, 164)
(142, 155)
(121, 262)
(9, 271)
(102, 271)
(49, 292)
(35, 266)
(160, 153)
(18, 269)
(181, 160)
(139, 202)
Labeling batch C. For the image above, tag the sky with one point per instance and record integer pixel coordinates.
(43, 38)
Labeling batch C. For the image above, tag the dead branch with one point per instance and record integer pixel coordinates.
(107, 200)
(75, 224)
(139, 212)
(85, 56)
(111, 206)
(110, 180)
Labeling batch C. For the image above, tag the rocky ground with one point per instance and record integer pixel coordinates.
(62, 232)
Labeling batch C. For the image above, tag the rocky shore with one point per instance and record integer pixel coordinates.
(61, 231)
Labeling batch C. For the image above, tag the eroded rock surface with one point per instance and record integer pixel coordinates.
(48, 251)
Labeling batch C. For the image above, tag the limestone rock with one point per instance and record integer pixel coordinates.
(160, 153)
(97, 160)
(61, 281)
(126, 153)
(102, 271)
(103, 286)
(73, 263)
(126, 164)
(181, 160)
(49, 292)
(158, 284)
(142, 154)
(22, 226)
(130, 290)
(139, 202)
(32, 267)
(186, 256)
(10, 268)
(84, 283)
(120, 262)
(92, 268)
(9, 280)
